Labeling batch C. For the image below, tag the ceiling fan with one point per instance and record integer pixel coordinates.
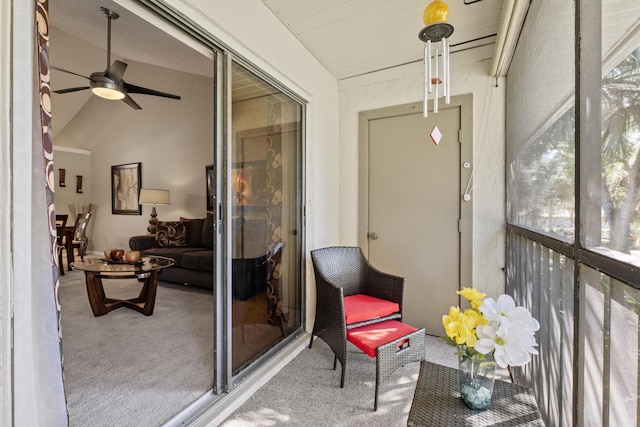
(109, 83)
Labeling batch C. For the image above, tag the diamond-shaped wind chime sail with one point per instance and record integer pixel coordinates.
(436, 53)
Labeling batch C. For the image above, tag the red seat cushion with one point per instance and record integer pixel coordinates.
(359, 307)
(368, 338)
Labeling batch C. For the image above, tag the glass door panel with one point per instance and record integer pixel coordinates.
(265, 215)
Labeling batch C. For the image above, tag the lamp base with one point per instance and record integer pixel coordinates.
(153, 221)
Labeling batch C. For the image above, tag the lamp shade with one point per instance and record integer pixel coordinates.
(151, 196)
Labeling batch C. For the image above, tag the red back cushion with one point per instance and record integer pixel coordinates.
(359, 307)
(368, 338)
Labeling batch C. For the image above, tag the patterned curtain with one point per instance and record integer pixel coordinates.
(42, 26)
(42, 45)
(274, 210)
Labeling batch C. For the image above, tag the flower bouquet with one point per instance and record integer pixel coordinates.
(490, 332)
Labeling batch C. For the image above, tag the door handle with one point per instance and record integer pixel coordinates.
(373, 236)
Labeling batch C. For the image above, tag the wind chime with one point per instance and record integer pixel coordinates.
(436, 53)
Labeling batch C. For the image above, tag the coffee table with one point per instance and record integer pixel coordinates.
(437, 402)
(147, 269)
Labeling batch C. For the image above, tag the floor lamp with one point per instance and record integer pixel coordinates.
(151, 196)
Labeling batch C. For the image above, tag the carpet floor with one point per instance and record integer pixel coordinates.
(127, 369)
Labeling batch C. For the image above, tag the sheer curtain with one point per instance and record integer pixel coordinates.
(38, 387)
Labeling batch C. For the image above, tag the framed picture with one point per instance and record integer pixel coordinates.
(125, 189)
(211, 187)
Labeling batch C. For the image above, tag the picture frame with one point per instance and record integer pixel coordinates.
(211, 187)
(126, 181)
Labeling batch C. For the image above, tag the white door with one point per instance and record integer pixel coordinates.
(415, 199)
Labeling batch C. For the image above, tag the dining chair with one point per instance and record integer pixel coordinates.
(61, 223)
(80, 238)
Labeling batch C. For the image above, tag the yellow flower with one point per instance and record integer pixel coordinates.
(459, 327)
(473, 295)
(474, 318)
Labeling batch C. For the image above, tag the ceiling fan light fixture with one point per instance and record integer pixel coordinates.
(105, 88)
(109, 84)
(107, 93)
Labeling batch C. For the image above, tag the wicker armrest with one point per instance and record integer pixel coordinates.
(330, 309)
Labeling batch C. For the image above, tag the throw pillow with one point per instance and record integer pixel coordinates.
(194, 231)
(207, 232)
(170, 233)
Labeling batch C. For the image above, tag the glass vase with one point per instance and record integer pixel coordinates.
(476, 380)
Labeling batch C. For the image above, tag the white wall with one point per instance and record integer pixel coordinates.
(403, 85)
(75, 162)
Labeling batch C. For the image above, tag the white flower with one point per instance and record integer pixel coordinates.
(505, 314)
(509, 334)
(514, 348)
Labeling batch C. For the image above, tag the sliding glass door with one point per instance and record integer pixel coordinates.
(264, 196)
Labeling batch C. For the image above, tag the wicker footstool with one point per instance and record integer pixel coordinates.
(392, 343)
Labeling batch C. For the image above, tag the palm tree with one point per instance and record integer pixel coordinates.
(620, 144)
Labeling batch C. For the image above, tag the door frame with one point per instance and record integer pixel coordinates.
(465, 103)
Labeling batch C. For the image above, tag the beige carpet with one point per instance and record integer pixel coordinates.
(127, 369)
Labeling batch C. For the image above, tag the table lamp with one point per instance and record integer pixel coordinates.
(151, 196)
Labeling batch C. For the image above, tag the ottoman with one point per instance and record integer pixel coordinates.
(392, 343)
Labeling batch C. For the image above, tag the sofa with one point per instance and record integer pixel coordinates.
(189, 242)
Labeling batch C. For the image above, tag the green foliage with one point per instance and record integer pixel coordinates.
(546, 166)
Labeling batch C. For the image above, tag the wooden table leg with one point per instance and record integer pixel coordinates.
(101, 305)
(147, 296)
(95, 292)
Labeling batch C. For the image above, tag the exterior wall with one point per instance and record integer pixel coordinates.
(403, 85)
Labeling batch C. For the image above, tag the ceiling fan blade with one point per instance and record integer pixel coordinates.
(116, 71)
(53, 67)
(144, 91)
(71, 89)
(131, 103)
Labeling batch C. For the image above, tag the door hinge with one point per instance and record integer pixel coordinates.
(460, 136)
(459, 225)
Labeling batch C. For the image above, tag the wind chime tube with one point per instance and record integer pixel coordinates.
(444, 67)
(446, 64)
(425, 92)
(428, 62)
(435, 72)
(448, 73)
